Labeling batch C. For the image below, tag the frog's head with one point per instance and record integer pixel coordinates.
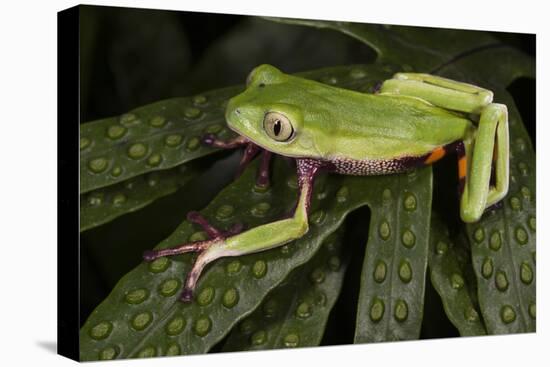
(270, 113)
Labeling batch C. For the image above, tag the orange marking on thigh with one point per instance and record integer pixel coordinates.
(436, 155)
(462, 167)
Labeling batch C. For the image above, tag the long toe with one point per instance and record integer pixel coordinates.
(149, 255)
(186, 295)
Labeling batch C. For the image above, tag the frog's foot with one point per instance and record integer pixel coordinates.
(250, 152)
(208, 250)
(237, 142)
(211, 231)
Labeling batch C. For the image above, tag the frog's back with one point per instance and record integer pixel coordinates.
(388, 127)
(387, 133)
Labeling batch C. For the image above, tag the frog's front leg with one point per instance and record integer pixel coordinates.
(480, 153)
(257, 239)
(251, 150)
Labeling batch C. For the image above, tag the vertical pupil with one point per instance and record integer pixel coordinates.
(277, 127)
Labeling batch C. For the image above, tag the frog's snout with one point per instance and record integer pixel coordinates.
(232, 114)
(230, 111)
(231, 108)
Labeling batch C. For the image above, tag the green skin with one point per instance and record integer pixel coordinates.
(411, 116)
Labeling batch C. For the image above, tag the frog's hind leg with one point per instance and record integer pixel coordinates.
(476, 164)
(478, 192)
(441, 92)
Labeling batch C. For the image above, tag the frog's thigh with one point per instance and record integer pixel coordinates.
(480, 151)
(442, 92)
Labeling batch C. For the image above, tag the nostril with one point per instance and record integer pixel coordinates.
(237, 111)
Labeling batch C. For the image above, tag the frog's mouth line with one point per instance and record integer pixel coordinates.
(262, 146)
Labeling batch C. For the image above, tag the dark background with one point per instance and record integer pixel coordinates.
(132, 57)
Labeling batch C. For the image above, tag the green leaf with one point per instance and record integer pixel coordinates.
(446, 262)
(503, 254)
(417, 48)
(391, 297)
(503, 241)
(157, 136)
(296, 312)
(195, 327)
(476, 68)
(334, 197)
(103, 205)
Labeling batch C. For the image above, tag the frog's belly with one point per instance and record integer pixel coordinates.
(376, 167)
(368, 167)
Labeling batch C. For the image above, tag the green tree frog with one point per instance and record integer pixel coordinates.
(411, 120)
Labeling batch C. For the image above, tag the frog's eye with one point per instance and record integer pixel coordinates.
(278, 126)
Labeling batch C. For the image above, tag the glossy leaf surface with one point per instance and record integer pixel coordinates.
(449, 266)
(103, 205)
(296, 312)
